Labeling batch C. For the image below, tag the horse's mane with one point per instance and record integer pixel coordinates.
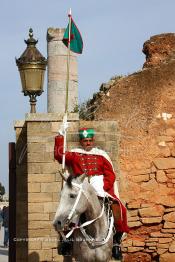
(69, 180)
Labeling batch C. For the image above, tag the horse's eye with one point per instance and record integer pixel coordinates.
(72, 195)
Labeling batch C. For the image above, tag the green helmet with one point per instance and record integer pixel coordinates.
(86, 133)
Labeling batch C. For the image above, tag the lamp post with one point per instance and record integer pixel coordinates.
(32, 65)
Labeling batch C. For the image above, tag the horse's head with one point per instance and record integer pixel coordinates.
(73, 202)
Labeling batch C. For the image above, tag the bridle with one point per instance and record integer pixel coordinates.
(93, 242)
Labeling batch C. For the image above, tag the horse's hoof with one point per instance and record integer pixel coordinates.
(65, 248)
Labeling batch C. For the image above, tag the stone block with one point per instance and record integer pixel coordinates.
(38, 216)
(161, 176)
(36, 147)
(165, 240)
(153, 211)
(144, 205)
(165, 245)
(40, 127)
(36, 208)
(167, 210)
(41, 178)
(167, 257)
(170, 217)
(164, 163)
(138, 243)
(39, 197)
(172, 247)
(42, 157)
(151, 244)
(151, 250)
(152, 239)
(39, 224)
(151, 220)
(169, 171)
(51, 187)
(49, 168)
(34, 244)
(151, 185)
(140, 172)
(37, 233)
(34, 168)
(167, 230)
(169, 225)
(159, 234)
(134, 224)
(135, 249)
(55, 197)
(133, 213)
(34, 187)
(165, 200)
(140, 178)
(161, 250)
(40, 139)
(134, 204)
(127, 243)
(50, 207)
(132, 219)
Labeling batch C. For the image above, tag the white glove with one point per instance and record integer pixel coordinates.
(63, 128)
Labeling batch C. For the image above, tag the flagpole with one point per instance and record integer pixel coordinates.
(67, 91)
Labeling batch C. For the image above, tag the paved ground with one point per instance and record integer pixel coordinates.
(3, 251)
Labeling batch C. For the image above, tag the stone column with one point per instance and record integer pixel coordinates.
(57, 73)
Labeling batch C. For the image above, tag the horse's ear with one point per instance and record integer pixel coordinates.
(63, 175)
(81, 178)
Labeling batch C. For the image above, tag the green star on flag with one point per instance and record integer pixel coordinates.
(75, 42)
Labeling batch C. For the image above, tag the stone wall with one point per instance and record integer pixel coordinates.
(38, 181)
(143, 103)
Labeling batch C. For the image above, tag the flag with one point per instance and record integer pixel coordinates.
(76, 42)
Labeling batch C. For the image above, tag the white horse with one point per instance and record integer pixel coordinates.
(93, 239)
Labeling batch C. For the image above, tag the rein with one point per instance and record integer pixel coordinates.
(88, 238)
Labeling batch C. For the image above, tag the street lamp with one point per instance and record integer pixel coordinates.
(32, 66)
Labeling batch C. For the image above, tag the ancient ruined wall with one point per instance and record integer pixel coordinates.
(38, 181)
(144, 106)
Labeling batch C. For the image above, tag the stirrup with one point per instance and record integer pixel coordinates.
(116, 252)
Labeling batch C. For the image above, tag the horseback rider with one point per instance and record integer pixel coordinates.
(96, 164)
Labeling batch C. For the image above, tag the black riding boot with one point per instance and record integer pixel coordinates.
(65, 247)
(116, 250)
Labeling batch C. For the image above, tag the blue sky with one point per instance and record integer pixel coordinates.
(113, 32)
